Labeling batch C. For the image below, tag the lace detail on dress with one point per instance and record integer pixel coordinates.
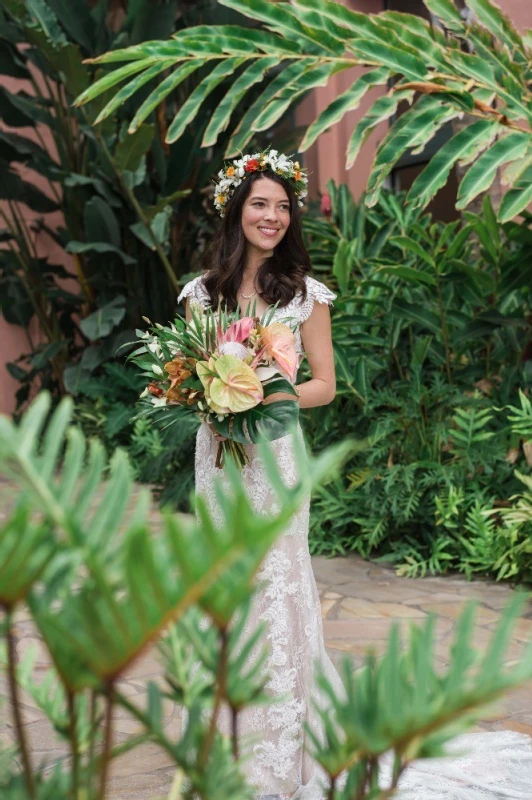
(317, 292)
(195, 290)
(286, 602)
(294, 313)
(495, 765)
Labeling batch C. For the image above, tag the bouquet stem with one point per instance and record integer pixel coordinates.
(234, 449)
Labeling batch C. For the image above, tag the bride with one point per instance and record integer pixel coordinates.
(259, 257)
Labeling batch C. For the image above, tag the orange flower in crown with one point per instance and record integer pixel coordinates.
(232, 176)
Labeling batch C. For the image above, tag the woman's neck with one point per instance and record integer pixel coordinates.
(254, 259)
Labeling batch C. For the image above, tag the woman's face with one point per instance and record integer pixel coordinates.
(265, 215)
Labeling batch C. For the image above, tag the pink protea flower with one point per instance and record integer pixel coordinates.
(234, 349)
(279, 344)
(238, 331)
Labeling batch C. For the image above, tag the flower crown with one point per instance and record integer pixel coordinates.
(232, 176)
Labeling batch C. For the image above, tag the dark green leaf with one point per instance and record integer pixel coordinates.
(76, 19)
(132, 148)
(168, 85)
(409, 274)
(101, 322)
(99, 247)
(220, 119)
(12, 187)
(462, 146)
(480, 176)
(191, 106)
(100, 222)
(417, 314)
(347, 101)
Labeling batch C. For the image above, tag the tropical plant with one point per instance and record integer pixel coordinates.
(78, 553)
(442, 70)
(106, 408)
(65, 554)
(131, 230)
(431, 332)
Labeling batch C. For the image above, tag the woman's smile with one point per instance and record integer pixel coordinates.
(268, 231)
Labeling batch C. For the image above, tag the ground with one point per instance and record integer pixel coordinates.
(359, 602)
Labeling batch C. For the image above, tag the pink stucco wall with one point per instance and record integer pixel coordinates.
(519, 11)
(13, 339)
(325, 159)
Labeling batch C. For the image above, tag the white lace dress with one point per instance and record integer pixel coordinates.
(288, 602)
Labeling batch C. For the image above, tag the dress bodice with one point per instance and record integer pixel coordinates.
(294, 313)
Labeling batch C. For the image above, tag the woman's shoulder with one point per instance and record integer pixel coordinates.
(318, 291)
(195, 289)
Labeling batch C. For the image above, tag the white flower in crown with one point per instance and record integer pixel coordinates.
(232, 175)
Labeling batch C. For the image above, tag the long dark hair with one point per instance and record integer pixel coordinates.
(279, 277)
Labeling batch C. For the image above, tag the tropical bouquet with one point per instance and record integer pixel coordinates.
(222, 367)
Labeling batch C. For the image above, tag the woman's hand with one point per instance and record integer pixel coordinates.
(217, 436)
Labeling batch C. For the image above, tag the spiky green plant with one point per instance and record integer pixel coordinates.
(102, 583)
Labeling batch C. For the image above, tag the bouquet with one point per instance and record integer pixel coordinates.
(221, 367)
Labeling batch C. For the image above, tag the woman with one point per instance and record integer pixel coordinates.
(259, 256)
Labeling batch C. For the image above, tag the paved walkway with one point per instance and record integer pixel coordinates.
(359, 602)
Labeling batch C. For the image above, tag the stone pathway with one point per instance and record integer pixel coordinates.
(359, 602)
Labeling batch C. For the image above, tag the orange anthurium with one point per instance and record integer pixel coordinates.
(279, 344)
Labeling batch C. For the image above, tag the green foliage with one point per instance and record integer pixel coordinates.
(109, 578)
(431, 335)
(391, 698)
(480, 67)
(132, 227)
(101, 586)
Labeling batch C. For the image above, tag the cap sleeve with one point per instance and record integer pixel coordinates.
(317, 292)
(195, 290)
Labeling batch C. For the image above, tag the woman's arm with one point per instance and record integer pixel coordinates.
(317, 343)
(316, 335)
